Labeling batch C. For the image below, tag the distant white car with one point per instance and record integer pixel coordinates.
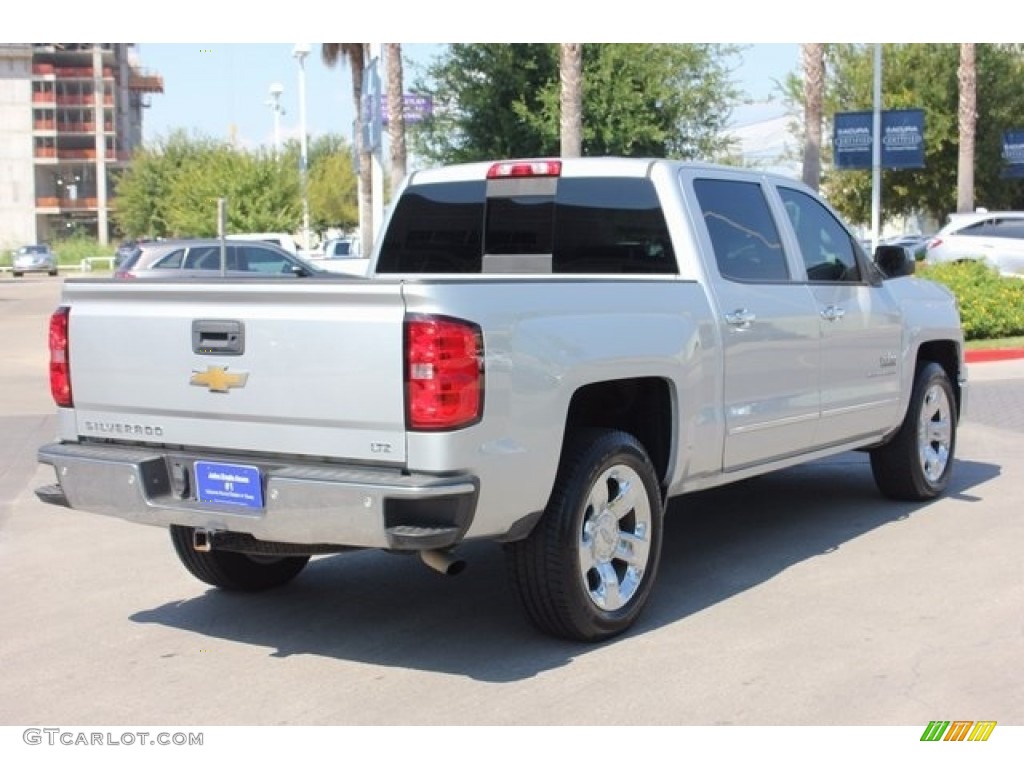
(342, 255)
(996, 237)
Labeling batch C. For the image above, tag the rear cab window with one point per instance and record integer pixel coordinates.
(547, 224)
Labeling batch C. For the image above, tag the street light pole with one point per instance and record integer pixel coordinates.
(276, 89)
(300, 52)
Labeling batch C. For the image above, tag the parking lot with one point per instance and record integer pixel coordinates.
(799, 598)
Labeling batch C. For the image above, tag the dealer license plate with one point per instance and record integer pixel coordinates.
(229, 484)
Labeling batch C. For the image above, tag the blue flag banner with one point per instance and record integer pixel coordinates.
(902, 139)
(1013, 154)
(851, 140)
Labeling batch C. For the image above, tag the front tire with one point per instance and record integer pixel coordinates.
(916, 464)
(586, 570)
(235, 571)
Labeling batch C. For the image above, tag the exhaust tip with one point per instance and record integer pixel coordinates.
(202, 540)
(442, 561)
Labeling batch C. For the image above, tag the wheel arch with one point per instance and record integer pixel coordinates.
(643, 407)
(947, 354)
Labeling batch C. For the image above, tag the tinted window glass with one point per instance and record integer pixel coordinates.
(611, 226)
(520, 224)
(743, 233)
(171, 261)
(252, 258)
(826, 247)
(436, 228)
(205, 257)
(1013, 228)
(590, 225)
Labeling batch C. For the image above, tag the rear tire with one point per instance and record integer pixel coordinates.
(235, 571)
(916, 464)
(586, 570)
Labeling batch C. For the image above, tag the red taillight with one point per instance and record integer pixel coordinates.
(935, 242)
(524, 169)
(60, 362)
(443, 372)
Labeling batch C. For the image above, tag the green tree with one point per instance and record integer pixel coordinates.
(479, 93)
(143, 191)
(925, 76)
(333, 192)
(171, 188)
(262, 194)
(499, 100)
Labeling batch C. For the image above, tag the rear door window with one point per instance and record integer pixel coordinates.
(743, 234)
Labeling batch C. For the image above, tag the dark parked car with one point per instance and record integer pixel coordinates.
(202, 258)
(34, 258)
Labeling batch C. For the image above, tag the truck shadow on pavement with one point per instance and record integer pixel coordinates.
(391, 610)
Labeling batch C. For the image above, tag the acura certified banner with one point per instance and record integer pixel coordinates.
(902, 139)
(1013, 154)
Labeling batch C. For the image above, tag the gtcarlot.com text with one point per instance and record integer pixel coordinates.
(69, 738)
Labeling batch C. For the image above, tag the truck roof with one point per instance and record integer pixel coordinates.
(575, 167)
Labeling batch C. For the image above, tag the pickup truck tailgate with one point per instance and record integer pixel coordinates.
(310, 368)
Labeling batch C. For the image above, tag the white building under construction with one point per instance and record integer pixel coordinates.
(70, 117)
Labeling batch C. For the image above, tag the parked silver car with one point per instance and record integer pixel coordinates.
(996, 237)
(34, 258)
(202, 258)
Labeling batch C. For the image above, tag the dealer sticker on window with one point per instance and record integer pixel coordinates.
(229, 484)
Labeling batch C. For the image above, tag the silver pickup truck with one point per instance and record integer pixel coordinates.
(544, 353)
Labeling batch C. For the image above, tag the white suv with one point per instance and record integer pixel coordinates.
(996, 237)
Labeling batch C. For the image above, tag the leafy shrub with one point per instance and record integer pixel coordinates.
(71, 251)
(991, 306)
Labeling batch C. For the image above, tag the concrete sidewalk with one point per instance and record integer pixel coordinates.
(995, 370)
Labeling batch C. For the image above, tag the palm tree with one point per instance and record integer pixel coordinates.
(814, 92)
(967, 74)
(396, 113)
(356, 55)
(570, 71)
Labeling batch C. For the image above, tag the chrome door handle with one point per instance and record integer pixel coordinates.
(833, 313)
(741, 318)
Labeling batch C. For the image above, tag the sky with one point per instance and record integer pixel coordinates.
(222, 89)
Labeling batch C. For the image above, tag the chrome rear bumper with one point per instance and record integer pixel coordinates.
(302, 503)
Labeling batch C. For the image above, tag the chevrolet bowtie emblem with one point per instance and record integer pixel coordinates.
(217, 379)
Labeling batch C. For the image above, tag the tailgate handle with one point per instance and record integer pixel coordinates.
(218, 337)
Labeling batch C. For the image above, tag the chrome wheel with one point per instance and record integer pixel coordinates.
(916, 463)
(586, 570)
(615, 538)
(935, 432)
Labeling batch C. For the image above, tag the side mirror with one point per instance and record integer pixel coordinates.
(894, 260)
